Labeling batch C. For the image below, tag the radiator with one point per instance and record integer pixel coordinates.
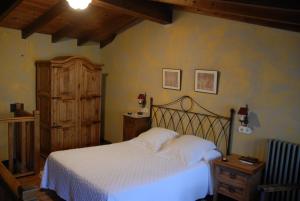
(283, 167)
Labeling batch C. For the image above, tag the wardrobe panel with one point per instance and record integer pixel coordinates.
(45, 135)
(43, 81)
(44, 104)
(90, 134)
(90, 81)
(64, 112)
(90, 109)
(64, 81)
(64, 138)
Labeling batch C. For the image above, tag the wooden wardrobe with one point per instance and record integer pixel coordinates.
(68, 96)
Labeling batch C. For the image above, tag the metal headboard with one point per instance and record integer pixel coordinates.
(187, 120)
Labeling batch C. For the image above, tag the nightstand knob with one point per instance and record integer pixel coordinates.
(232, 175)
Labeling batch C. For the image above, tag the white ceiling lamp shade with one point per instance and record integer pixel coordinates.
(79, 4)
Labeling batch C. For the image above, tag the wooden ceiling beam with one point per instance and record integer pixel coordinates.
(104, 42)
(137, 8)
(112, 28)
(82, 41)
(44, 19)
(60, 34)
(246, 12)
(251, 20)
(8, 6)
(75, 21)
(110, 31)
(111, 36)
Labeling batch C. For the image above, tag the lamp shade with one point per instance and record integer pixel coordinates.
(243, 110)
(142, 96)
(79, 4)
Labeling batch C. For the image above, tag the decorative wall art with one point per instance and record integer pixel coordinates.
(171, 79)
(206, 81)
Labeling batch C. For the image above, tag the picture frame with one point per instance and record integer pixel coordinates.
(206, 81)
(171, 79)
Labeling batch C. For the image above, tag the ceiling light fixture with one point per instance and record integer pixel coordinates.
(79, 4)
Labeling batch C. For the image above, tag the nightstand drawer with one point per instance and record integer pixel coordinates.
(232, 177)
(231, 191)
(235, 179)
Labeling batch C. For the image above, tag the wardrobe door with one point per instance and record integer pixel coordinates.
(90, 80)
(64, 80)
(64, 106)
(64, 112)
(90, 122)
(63, 138)
(90, 96)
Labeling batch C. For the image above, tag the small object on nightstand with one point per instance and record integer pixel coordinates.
(235, 179)
(248, 160)
(224, 158)
(134, 124)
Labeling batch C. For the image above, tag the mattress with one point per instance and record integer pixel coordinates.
(123, 172)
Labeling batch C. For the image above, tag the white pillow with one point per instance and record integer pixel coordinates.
(189, 148)
(155, 137)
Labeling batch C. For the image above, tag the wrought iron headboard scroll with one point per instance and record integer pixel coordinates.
(205, 124)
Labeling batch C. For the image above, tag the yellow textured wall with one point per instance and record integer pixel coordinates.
(259, 66)
(17, 69)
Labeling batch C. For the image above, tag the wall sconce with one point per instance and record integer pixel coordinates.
(243, 118)
(142, 100)
(243, 115)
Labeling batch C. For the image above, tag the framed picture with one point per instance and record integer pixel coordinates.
(171, 79)
(206, 81)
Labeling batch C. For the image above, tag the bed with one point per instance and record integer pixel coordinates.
(134, 171)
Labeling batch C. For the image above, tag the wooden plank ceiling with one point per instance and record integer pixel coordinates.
(283, 14)
(103, 20)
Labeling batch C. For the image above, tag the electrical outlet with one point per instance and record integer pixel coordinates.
(245, 130)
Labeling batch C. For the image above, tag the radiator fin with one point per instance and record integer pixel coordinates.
(283, 167)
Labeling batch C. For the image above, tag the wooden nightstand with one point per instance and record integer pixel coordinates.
(237, 180)
(134, 124)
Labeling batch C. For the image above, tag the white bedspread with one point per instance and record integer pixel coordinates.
(123, 172)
